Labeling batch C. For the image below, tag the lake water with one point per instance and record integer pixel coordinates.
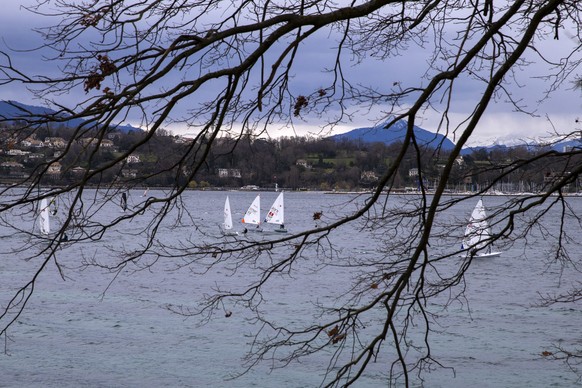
(101, 329)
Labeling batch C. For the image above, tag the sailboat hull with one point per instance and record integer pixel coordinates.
(275, 231)
(487, 255)
(480, 255)
(252, 230)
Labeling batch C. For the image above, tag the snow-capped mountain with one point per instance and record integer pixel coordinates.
(397, 132)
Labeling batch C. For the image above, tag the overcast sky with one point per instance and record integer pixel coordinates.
(559, 112)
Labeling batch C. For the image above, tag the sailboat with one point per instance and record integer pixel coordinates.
(276, 214)
(44, 218)
(227, 231)
(478, 234)
(253, 215)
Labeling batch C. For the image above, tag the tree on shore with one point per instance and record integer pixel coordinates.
(240, 69)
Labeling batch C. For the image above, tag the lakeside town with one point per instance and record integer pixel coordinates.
(292, 163)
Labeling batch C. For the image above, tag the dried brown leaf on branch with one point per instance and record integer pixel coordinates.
(300, 103)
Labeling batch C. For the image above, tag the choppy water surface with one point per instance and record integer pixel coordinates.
(92, 330)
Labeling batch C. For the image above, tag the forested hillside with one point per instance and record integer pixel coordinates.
(294, 163)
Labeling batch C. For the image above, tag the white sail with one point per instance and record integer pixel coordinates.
(478, 232)
(44, 217)
(253, 214)
(227, 215)
(276, 214)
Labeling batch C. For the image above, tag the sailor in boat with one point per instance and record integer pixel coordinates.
(123, 201)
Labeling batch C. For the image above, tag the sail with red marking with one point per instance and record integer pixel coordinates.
(276, 214)
(253, 214)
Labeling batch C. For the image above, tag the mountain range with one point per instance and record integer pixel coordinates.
(13, 110)
(380, 134)
(424, 137)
